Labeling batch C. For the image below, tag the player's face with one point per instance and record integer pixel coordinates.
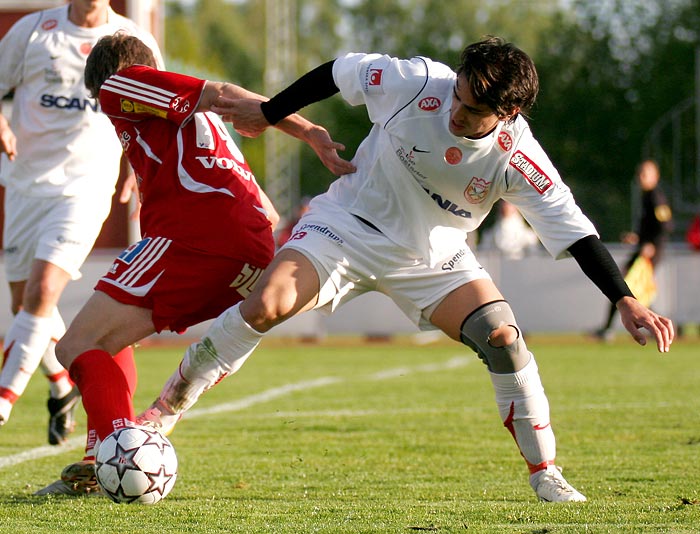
(467, 117)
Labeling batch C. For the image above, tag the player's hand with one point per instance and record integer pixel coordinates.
(244, 113)
(8, 141)
(327, 151)
(129, 189)
(636, 317)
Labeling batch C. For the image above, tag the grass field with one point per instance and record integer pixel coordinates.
(345, 437)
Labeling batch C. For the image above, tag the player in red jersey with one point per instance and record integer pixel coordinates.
(207, 226)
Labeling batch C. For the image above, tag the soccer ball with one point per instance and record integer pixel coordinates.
(136, 464)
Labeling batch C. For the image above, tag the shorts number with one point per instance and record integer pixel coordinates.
(246, 279)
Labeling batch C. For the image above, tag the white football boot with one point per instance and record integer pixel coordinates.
(551, 486)
(159, 417)
(76, 479)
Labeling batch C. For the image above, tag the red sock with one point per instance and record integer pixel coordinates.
(125, 360)
(105, 391)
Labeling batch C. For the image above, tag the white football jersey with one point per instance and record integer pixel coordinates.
(425, 188)
(65, 145)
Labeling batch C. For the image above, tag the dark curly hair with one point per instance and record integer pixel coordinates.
(111, 54)
(500, 75)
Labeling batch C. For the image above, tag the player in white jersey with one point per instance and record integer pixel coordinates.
(444, 148)
(60, 165)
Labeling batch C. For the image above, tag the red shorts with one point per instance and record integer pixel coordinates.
(181, 286)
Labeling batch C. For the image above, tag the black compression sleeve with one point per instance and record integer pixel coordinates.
(313, 86)
(598, 265)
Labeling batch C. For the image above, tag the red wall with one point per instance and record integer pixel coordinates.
(115, 229)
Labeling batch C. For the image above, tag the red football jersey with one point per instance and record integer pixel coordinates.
(195, 185)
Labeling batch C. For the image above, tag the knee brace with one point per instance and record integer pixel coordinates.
(476, 332)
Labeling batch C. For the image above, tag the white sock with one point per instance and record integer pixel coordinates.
(5, 409)
(59, 381)
(25, 344)
(524, 409)
(220, 353)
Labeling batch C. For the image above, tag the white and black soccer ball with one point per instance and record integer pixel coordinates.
(136, 464)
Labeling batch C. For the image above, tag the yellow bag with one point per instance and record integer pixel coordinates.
(640, 279)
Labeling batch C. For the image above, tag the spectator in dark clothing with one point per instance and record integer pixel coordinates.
(654, 226)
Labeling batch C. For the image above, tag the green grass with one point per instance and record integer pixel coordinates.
(397, 438)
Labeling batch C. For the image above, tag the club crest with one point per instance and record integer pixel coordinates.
(476, 190)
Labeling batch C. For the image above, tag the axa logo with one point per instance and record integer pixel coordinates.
(505, 141)
(429, 103)
(209, 162)
(449, 206)
(68, 102)
(532, 173)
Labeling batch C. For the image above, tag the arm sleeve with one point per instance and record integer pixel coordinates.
(598, 265)
(13, 47)
(313, 86)
(139, 92)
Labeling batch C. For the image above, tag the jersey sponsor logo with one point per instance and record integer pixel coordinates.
(457, 258)
(532, 173)
(180, 105)
(505, 141)
(61, 239)
(416, 149)
(408, 159)
(208, 162)
(302, 232)
(453, 155)
(49, 24)
(429, 103)
(130, 106)
(448, 205)
(476, 190)
(69, 103)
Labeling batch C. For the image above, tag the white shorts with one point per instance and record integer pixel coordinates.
(60, 230)
(352, 258)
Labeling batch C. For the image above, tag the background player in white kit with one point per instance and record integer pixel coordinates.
(444, 148)
(62, 162)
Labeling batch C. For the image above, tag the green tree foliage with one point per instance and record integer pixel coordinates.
(606, 76)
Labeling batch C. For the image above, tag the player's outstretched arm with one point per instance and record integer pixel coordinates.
(636, 316)
(252, 117)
